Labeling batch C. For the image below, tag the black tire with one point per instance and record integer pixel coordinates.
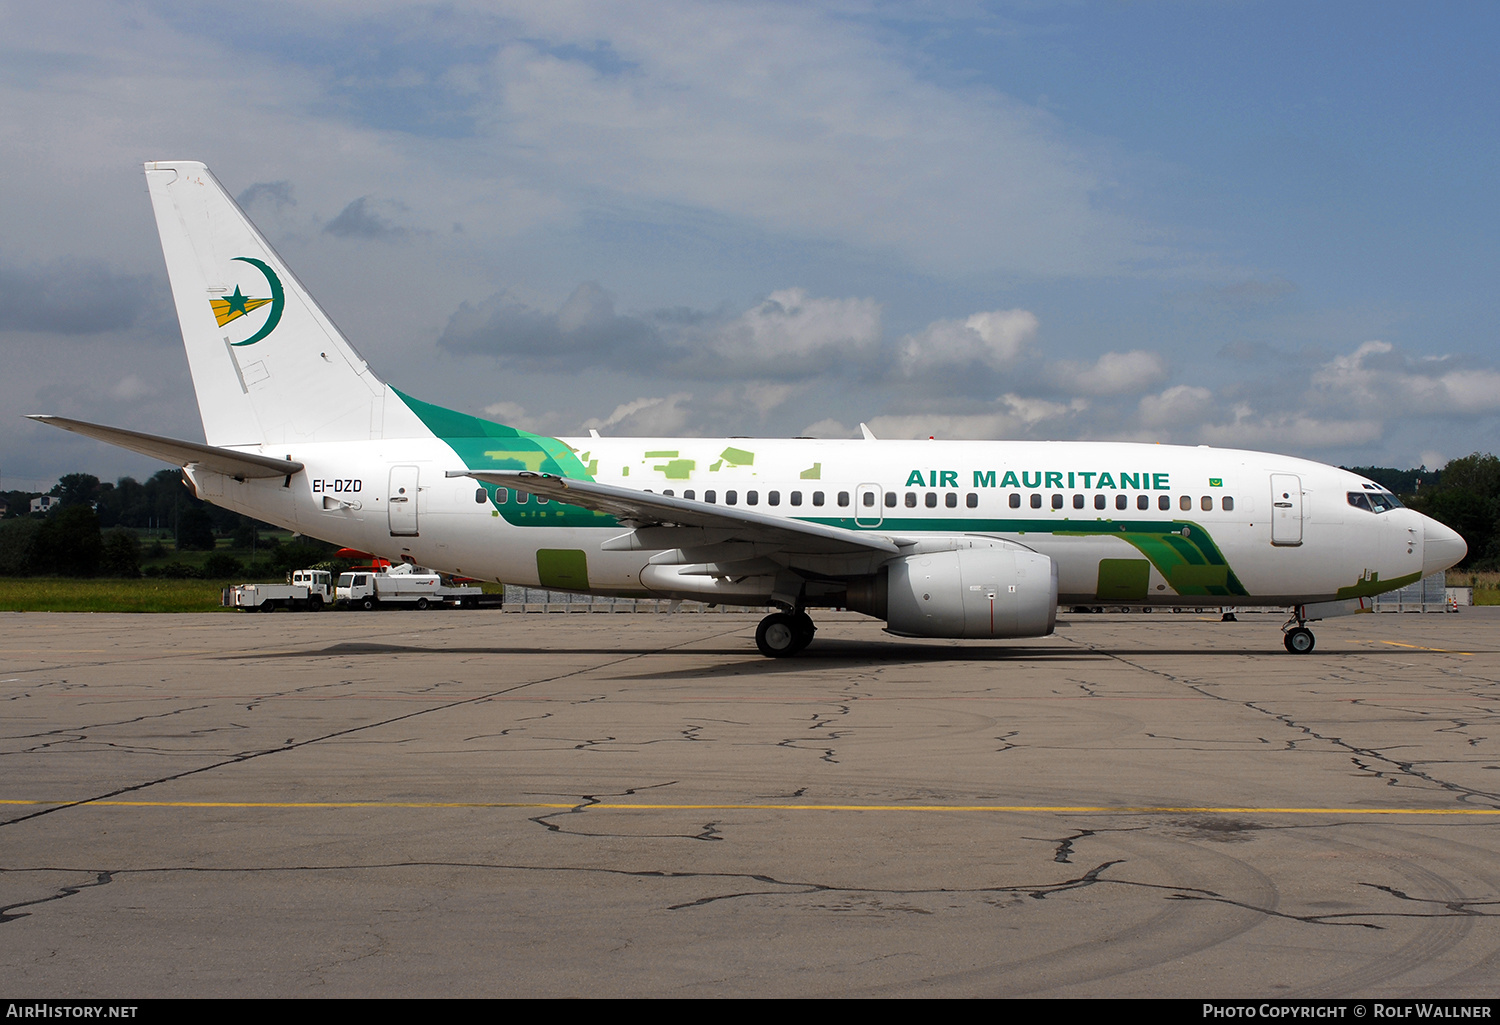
(805, 628)
(421, 604)
(315, 603)
(268, 606)
(1299, 641)
(367, 604)
(776, 637)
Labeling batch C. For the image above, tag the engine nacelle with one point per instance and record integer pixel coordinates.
(975, 592)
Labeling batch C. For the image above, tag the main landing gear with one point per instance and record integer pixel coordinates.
(784, 633)
(1299, 639)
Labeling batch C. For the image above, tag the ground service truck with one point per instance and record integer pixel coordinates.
(406, 585)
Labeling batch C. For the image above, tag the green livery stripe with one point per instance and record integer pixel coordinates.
(485, 445)
(1182, 551)
(1368, 586)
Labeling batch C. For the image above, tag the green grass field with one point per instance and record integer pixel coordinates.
(1486, 585)
(58, 594)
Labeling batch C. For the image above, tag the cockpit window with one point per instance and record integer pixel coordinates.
(1374, 501)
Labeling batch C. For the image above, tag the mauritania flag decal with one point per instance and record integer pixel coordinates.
(228, 309)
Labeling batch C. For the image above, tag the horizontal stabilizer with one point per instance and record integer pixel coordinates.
(179, 453)
(645, 509)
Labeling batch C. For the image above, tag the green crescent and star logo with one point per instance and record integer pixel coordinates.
(233, 307)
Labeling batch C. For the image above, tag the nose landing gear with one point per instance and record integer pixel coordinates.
(1299, 639)
(782, 634)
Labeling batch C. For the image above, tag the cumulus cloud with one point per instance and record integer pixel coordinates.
(1180, 405)
(788, 334)
(1296, 433)
(1377, 377)
(645, 417)
(585, 331)
(1114, 373)
(995, 339)
(276, 195)
(791, 332)
(362, 219)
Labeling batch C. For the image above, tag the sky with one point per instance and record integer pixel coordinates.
(1253, 224)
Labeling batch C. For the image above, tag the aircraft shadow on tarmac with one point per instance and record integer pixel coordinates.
(824, 653)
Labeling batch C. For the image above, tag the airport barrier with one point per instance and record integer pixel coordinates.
(536, 599)
(1430, 594)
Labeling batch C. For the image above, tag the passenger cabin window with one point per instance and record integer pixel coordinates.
(1185, 503)
(971, 500)
(731, 498)
(931, 500)
(1164, 503)
(796, 498)
(911, 499)
(1207, 505)
(1057, 501)
(773, 498)
(1122, 502)
(890, 500)
(1226, 503)
(818, 498)
(688, 494)
(709, 497)
(1036, 501)
(843, 499)
(522, 498)
(951, 500)
(1143, 502)
(1015, 501)
(1099, 502)
(752, 498)
(668, 492)
(480, 495)
(1077, 501)
(540, 500)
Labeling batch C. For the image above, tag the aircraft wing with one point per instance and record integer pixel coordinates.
(180, 453)
(646, 509)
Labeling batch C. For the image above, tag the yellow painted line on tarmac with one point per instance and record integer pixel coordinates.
(1418, 647)
(607, 806)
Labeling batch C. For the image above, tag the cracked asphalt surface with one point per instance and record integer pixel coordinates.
(488, 804)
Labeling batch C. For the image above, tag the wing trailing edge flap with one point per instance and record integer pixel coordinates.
(666, 522)
(227, 461)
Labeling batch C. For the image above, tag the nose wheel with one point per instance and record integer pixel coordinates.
(782, 634)
(1299, 641)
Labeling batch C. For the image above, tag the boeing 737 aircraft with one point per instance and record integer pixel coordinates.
(936, 538)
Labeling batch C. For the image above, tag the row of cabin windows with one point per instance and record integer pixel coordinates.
(930, 500)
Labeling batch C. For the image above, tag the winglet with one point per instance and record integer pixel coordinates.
(869, 434)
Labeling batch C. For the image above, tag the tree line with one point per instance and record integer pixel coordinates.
(95, 528)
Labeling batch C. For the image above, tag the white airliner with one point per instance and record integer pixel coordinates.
(936, 538)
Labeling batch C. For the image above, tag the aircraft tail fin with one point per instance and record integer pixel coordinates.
(269, 367)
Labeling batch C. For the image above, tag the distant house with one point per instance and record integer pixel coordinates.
(44, 503)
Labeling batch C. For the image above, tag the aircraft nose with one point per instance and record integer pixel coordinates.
(1441, 546)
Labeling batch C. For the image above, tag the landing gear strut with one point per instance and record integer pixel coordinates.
(1299, 639)
(784, 633)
